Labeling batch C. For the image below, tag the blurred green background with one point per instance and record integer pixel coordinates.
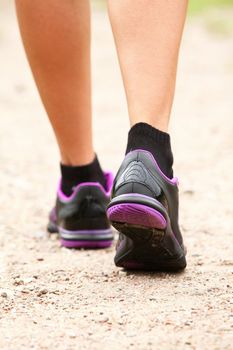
(197, 6)
(216, 15)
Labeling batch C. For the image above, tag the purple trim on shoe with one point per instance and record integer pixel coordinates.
(86, 244)
(136, 214)
(174, 181)
(109, 182)
(107, 192)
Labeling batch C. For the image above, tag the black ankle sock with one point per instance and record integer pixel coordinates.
(146, 137)
(74, 175)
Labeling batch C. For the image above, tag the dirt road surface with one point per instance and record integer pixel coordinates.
(54, 298)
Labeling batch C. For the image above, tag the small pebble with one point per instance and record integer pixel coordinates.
(121, 273)
(40, 259)
(103, 319)
(4, 295)
(18, 282)
(25, 291)
(72, 335)
(42, 292)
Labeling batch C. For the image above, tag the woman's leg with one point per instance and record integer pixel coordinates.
(56, 36)
(147, 36)
(144, 205)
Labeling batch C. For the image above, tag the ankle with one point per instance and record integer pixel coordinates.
(74, 175)
(80, 159)
(146, 137)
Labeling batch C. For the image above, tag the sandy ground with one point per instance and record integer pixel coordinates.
(54, 298)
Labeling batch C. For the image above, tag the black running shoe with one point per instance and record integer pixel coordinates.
(81, 219)
(144, 209)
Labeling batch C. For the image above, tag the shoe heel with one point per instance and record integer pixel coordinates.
(136, 214)
(87, 239)
(147, 241)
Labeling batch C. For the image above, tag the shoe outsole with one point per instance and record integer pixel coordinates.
(137, 214)
(86, 239)
(147, 241)
(85, 244)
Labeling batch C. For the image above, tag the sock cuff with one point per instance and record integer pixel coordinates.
(147, 130)
(73, 171)
(74, 175)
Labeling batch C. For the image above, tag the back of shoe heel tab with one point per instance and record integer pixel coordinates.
(135, 178)
(147, 157)
(87, 202)
(142, 156)
(94, 189)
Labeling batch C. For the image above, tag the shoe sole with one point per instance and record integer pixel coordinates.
(88, 239)
(147, 239)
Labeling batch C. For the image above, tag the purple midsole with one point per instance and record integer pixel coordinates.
(137, 214)
(86, 235)
(86, 244)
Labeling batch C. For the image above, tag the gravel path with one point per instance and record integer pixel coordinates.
(54, 298)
